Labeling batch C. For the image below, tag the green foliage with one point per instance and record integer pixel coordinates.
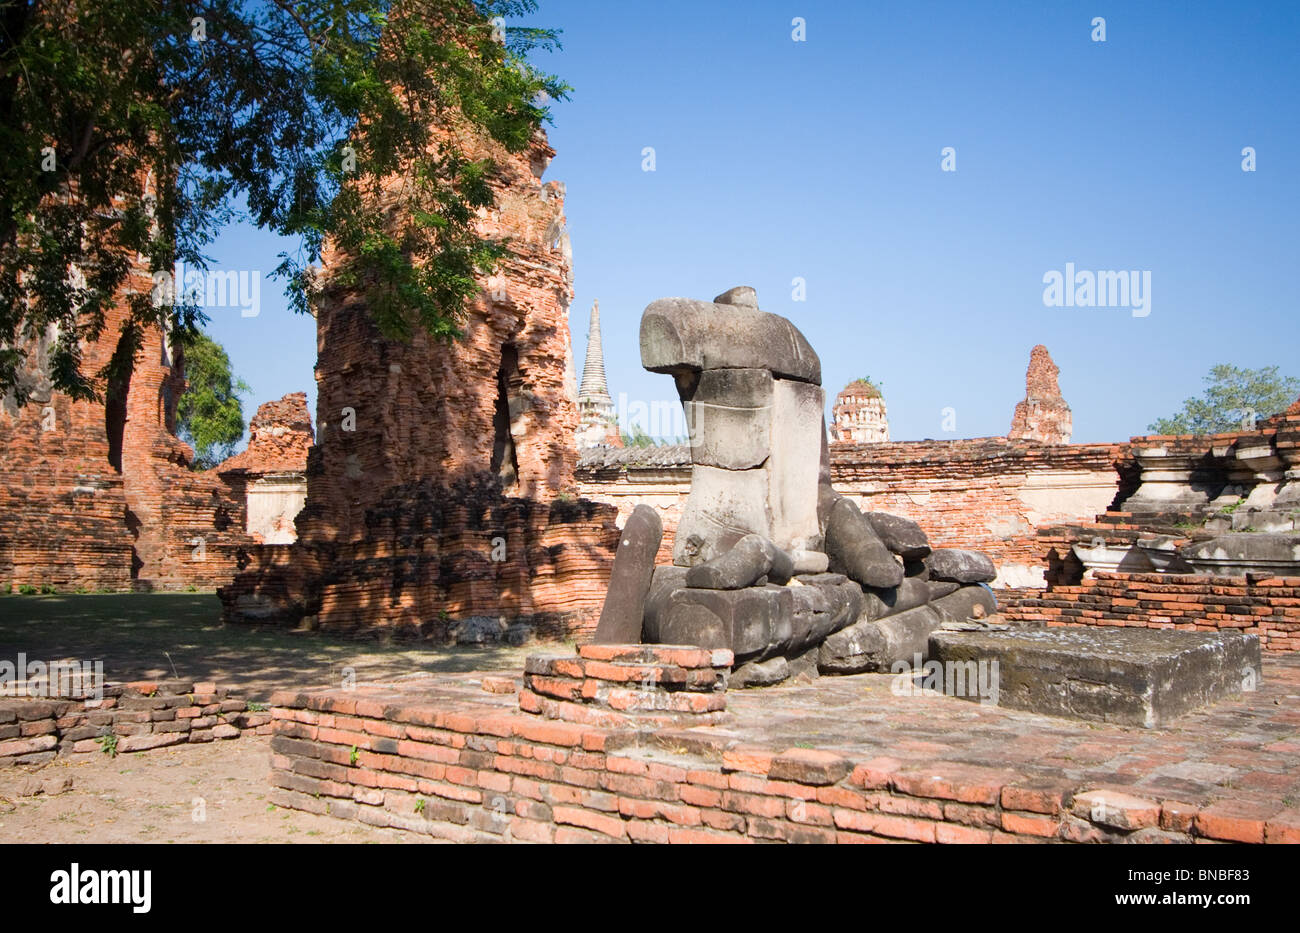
(108, 744)
(353, 755)
(162, 116)
(209, 415)
(637, 437)
(1232, 398)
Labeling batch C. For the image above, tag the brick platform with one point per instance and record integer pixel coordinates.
(843, 760)
(1265, 606)
(629, 685)
(142, 715)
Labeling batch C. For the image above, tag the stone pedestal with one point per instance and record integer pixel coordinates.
(1175, 481)
(1136, 677)
(1266, 471)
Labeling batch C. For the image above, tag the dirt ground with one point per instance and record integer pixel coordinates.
(158, 796)
(215, 792)
(150, 636)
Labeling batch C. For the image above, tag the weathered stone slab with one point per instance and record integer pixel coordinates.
(793, 468)
(856, 551)
(877, 644)
(753, 623)
(1130, 676)
(729, 416)
(666, 579)
(760, 673)
(629, 579)
(1246, 552)
(912, 592)
(902, 536)
(723, 506)
(874, 645)
(960, 566)
(686, 334)
(751, 558)
(966, 602)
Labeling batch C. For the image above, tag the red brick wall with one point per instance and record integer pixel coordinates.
(1269, 608)
(69, 518)
(985, 493)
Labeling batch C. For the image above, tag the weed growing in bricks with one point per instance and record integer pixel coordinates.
(108, 744)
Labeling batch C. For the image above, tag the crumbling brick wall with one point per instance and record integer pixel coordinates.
(441, 482)
(269, 475)
(1254, 605)
(988, 493)
(99, 494)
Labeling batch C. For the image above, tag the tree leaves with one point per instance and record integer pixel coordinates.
(1233, 398)
(156, 135)
(209, 415)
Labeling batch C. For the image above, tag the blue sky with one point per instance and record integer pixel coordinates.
(821, 159)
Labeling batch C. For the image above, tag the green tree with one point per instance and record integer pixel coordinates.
(140, 127)
(636, 436)
(1232, 399)
(209, 415)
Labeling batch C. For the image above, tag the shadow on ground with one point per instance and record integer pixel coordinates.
(145, 636)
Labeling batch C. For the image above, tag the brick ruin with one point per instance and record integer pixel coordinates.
(1043, 416)
(859, 416)
(440, 490)
(99, 494)
(1120, 567)
(270, 473)
(648, 744)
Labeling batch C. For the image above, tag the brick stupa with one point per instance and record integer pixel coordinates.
(1043, 416)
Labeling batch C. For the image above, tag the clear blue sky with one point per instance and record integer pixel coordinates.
(778, 159)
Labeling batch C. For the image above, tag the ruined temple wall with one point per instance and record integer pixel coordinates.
(392, 412)
(1268, 607)
(98, 494)
(987, 493)
(441, 484)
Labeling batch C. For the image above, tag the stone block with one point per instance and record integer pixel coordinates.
(729, 415)
(752, 623)
(875, 645)
(629, 579)
(856, 550)
(760, 673)
(793, 467)
(902, 536)
(1130, 676)
(742, 566)
(684, 334)
(960, 566)
(722, 507)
